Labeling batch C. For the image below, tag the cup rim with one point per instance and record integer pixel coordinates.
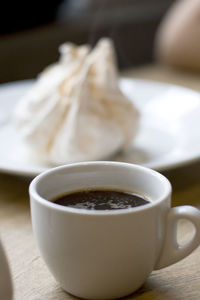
(81, 211)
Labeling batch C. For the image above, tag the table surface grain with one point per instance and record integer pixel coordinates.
(31, 278)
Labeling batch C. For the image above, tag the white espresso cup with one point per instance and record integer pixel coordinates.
(109, 253)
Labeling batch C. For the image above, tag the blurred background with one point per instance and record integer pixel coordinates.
(31, 31)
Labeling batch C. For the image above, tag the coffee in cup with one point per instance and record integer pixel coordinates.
(101, 199)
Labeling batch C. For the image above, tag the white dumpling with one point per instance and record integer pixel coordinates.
(75, 111)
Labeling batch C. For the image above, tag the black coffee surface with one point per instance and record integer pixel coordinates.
(101, 200)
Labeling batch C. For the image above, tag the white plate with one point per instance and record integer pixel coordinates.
(169, 134)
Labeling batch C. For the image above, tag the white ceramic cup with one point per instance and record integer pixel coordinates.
(107, 254)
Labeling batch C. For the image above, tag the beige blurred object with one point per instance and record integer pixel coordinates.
(177, 41)
(5, 277)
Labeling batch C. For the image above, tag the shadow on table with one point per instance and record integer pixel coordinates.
(14, 189)
(185, 184)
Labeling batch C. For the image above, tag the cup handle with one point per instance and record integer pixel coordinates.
(172, 251)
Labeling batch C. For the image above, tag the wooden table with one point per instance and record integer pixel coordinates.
(32, 280)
